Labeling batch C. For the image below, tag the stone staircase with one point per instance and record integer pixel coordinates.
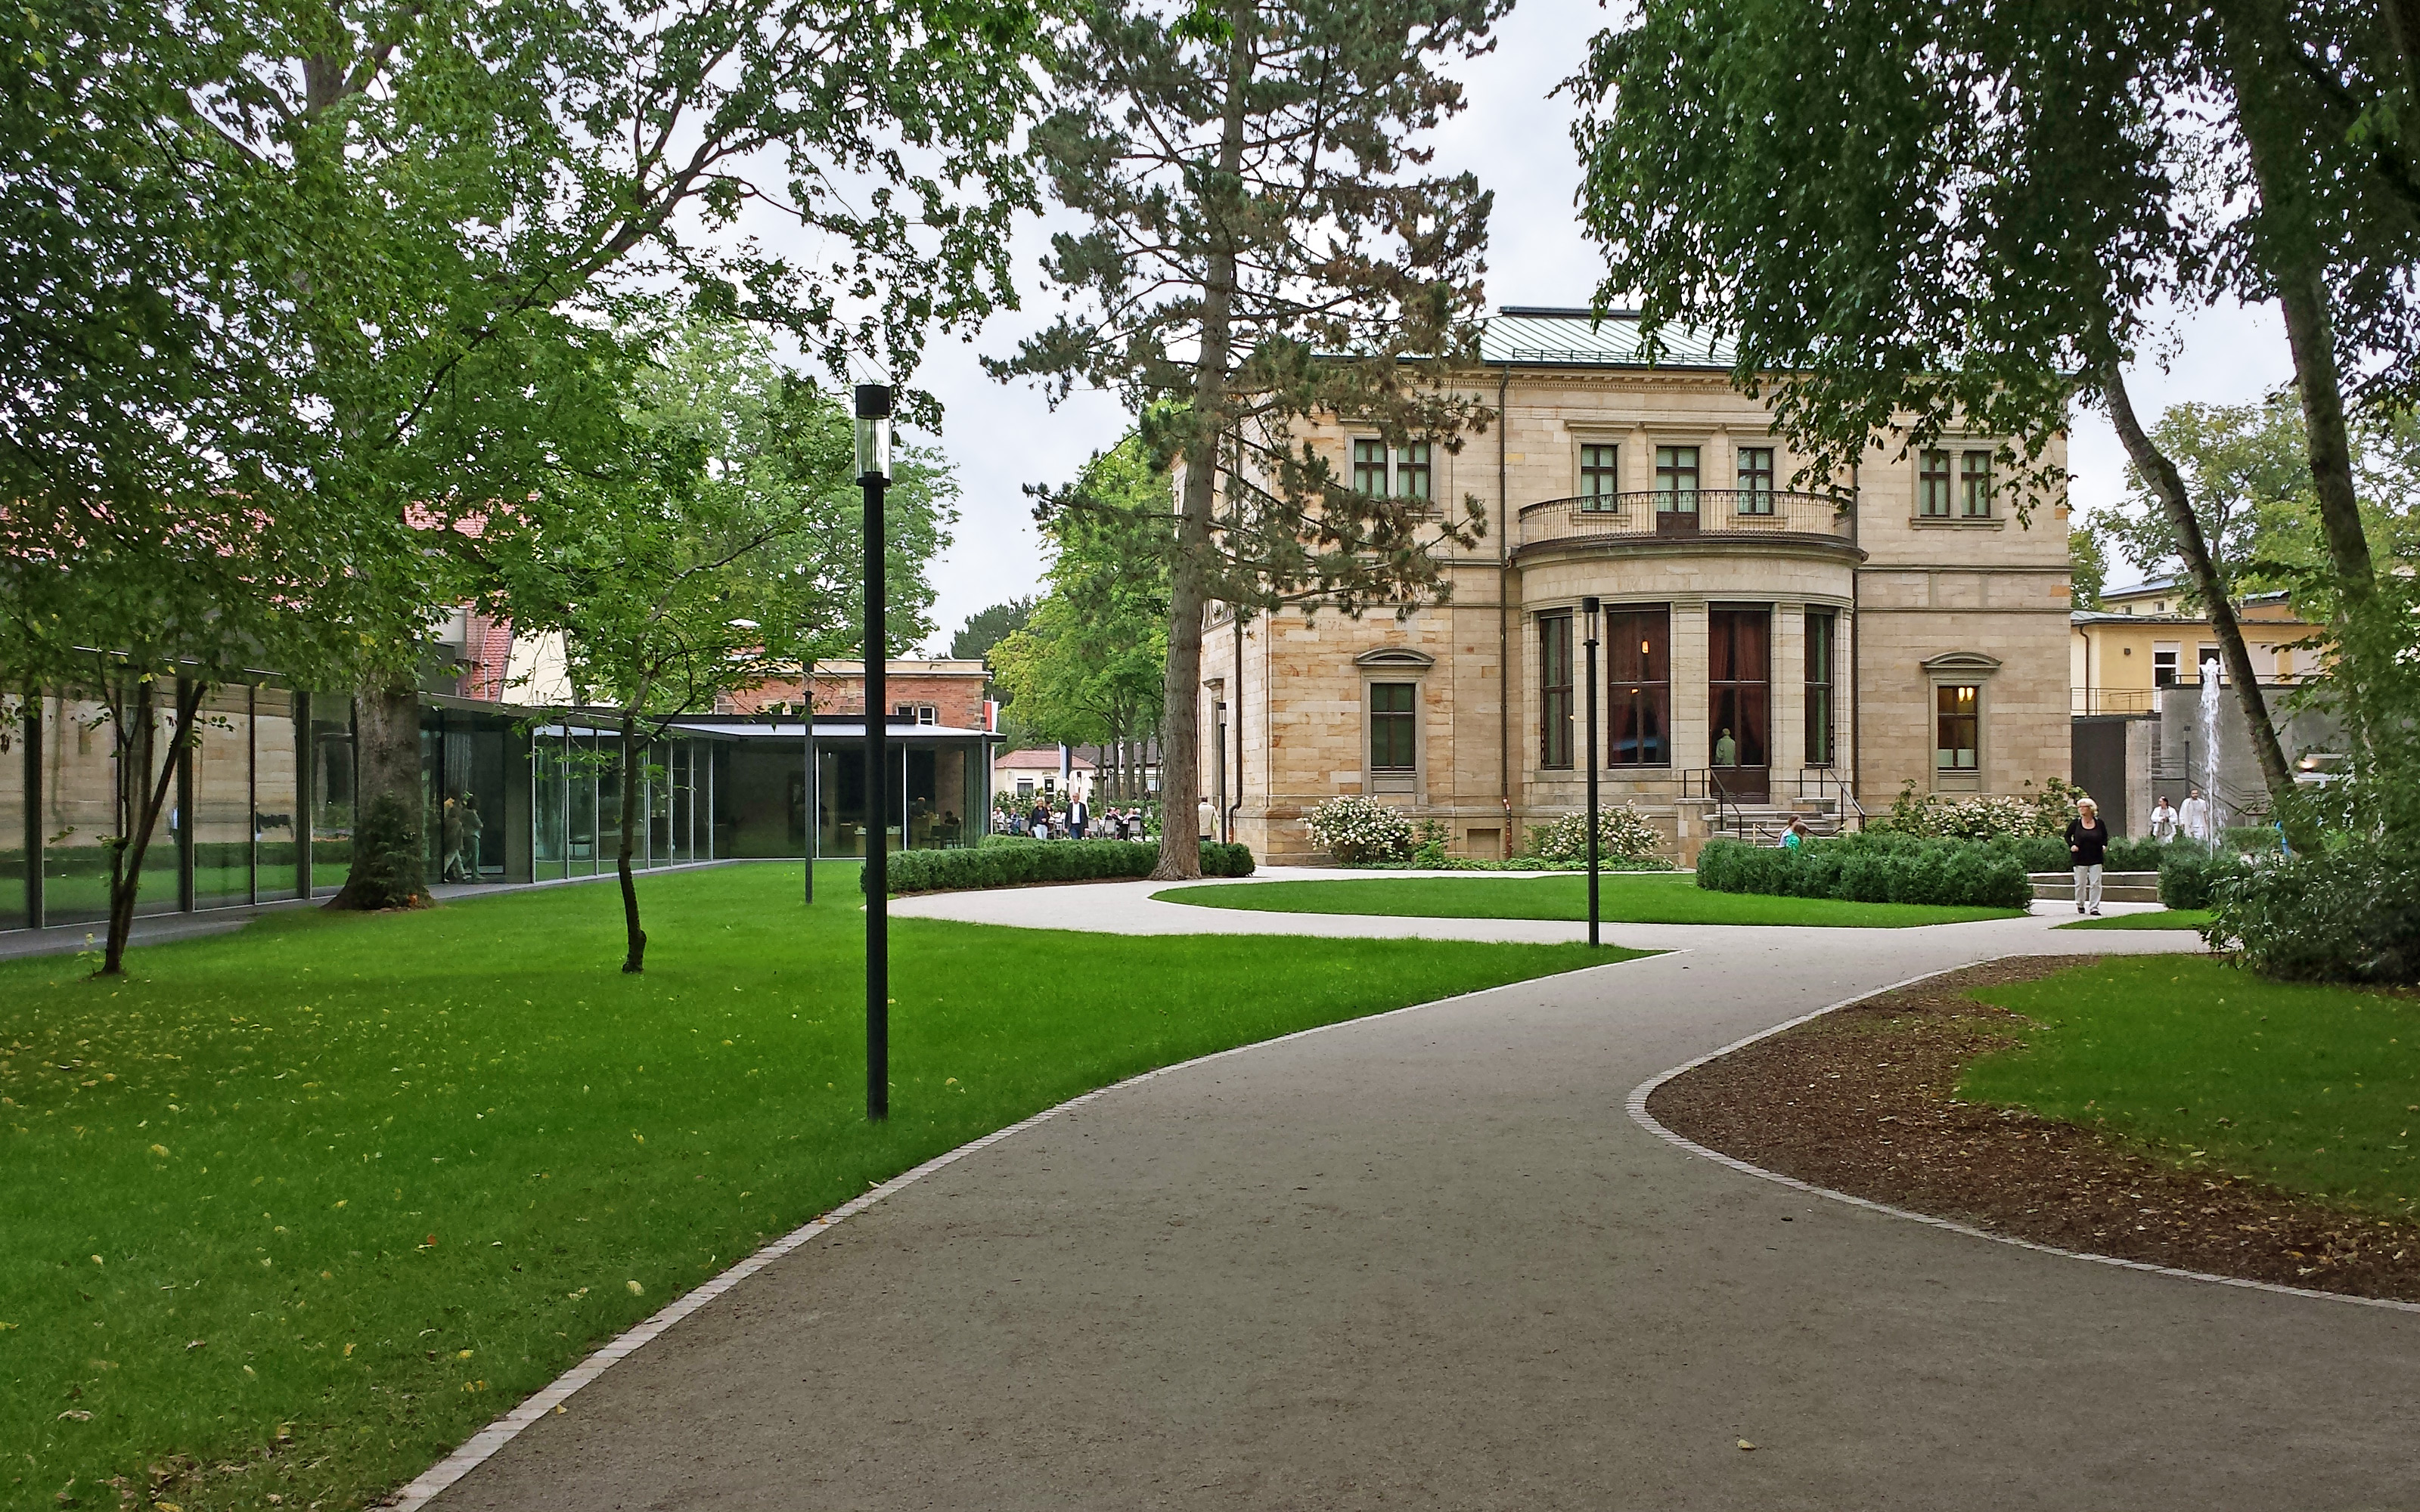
(2116, 887)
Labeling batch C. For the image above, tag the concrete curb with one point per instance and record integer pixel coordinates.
(1638, 1109)
(483, 1445)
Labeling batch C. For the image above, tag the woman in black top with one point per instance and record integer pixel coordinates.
(2088, 845)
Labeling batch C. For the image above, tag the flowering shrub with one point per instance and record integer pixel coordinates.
(1623, 834)
(1359, 828)
(1939, 816)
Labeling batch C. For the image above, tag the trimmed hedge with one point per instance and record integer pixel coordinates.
(1904, 870)
(1005, 862)
(2347, 913)
(2191, 875)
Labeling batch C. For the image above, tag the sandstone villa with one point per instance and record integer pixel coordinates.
(1761, 650)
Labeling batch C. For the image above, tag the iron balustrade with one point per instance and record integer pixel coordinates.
(1647, 514)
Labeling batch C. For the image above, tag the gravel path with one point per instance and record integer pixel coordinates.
(1425, 1260)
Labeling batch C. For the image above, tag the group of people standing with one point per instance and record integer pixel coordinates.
(2195, 821)
(1075, 820)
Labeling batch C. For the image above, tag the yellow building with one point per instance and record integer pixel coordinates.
(2144, 638)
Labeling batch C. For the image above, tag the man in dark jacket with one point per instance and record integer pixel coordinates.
(2088, 845)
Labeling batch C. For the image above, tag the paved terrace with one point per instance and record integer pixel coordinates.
(1427, 1261)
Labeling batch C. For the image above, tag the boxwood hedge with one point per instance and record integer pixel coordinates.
(1904, 870)
(1004, 861)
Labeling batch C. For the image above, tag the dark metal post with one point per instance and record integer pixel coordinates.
(873, 473)
(1589, 608)
(807, 734)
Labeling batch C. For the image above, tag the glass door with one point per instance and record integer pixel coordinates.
(1740, 699)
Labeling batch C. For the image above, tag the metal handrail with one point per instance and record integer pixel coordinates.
(1711, 512)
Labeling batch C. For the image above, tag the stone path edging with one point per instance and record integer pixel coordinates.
(484, 1445)
(1637, 1109)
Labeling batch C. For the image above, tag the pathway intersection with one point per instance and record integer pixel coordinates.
(1427, 1261)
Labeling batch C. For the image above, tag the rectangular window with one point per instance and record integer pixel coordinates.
(1639, 678)
(1391, 748)
(1600, 476)
(1957, 726)
(1974, 485)
(1739, 694)
(2163, 663)
(1756, 480)
(1369, 468)
(1822, 630)
(1554, 691)
(1412, 472)
(1933, 485)
(1676, 479)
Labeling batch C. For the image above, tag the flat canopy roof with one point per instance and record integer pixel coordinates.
(830, 730)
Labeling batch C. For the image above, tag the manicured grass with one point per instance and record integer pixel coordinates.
(1629, 898)
(2163, 918)
(370, 1181)
(2314, 1089)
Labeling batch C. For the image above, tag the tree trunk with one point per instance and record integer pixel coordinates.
(634, 960)
(390, 842)
(1180, 730)
(136, 745)
(2161, 475)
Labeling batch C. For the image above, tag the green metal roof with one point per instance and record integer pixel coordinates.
(1526, 335)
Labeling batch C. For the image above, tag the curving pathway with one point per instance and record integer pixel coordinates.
(1426, 1260)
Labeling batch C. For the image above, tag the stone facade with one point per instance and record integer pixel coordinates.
(1945, 608)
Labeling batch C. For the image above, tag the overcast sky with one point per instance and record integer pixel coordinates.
(1518, 140)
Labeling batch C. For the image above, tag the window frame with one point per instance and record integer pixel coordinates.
(1395, 469)
(1629, 701)
(1974, 485)
(1756, 479)
(1972, 719)
(1669, 472)
(1932, 483)
(1556, 704)
(1406, 719)
(1823, 692)
(1600, 463)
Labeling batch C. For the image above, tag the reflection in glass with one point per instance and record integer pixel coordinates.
(222, 786)
(15, 712)
(331, 791)
(275, 770)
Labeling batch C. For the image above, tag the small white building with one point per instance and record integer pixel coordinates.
(1051, 772)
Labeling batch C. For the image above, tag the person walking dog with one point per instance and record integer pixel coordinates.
(2087, 846)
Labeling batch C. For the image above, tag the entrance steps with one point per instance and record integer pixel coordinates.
(2116, 887)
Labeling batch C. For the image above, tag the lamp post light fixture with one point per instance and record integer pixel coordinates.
(1589, 610)
(873, 475)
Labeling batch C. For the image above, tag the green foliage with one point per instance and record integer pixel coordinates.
(2193, 876)
(1429, 840)
(987, 628)
(1007, 861)
(1631, 898)
(2347, 913)
(519, 1132)
(389, 872)
(2043, 811)
(1915, 871)
(2088, 567)
(1087, 666)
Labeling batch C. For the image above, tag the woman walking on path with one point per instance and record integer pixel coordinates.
(2088, 845)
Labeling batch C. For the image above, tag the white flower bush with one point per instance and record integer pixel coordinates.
(1623, 834)
(1933, 815)
(1359, 828)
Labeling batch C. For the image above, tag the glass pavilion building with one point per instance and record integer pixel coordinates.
(262, 806)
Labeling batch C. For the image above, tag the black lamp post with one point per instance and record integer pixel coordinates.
(873, 474)
(1590, 608)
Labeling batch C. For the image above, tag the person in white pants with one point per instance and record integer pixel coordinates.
(2195, 817)
(2087, 846)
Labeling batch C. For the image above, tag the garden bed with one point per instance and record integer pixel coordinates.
(1867, 1101)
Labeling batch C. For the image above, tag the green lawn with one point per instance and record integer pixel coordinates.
(2314, 1088)
(2163, 918)
(372, 1179)
(1624, 898)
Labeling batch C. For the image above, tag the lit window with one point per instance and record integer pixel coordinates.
(1957, 726)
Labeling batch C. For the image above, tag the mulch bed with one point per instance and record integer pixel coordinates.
(1863, 1101)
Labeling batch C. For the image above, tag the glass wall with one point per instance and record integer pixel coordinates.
(79, 809)
(550, 802)
(16, 715)
(462, 773)
(331, 791)
(221, 785)
(276, 816)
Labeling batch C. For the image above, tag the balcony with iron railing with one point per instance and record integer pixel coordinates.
(1716, 513)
